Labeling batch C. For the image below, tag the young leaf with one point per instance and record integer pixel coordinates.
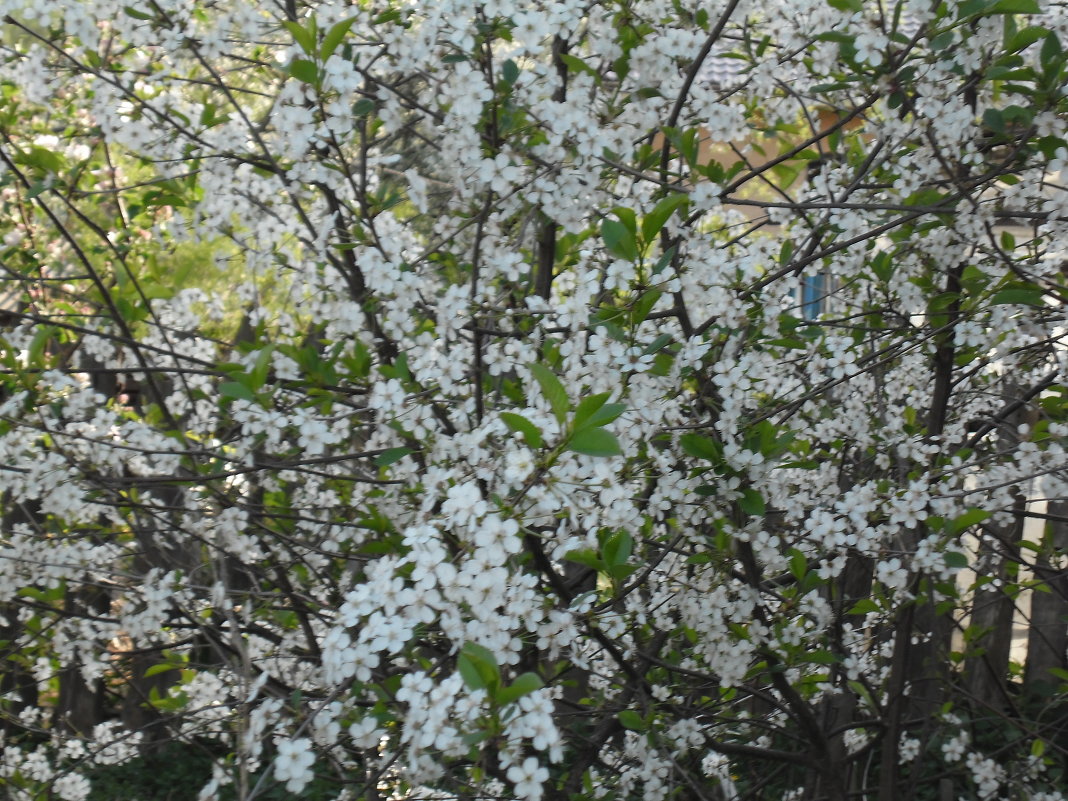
(632, 720)
(955, 559)
(752, 502)
(576, 64)
(587, 407)
(644, 305)
(617, 548)
(1015, 7)
(510, 72)
(334, 37)
(363, 107)
(133, 12)
(701, 447)
(391, 455)
(1020, 297)
(260, 369)
(605, 415)
(661, 213)
(305, 37)
(967, 520)
(478, 667)
(595, 442)
(658, 343)
(521, 425)
(233, 389)
(469, 672)
(863, 607)
(162, 667)
(524, 684)
(304, 70)
(552, 389)
(585, 557)
(619, 240)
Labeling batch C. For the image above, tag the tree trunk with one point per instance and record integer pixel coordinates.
(1047, 637)
(986, 674)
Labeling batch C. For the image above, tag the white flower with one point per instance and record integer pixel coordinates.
(528, 779)
(293, 763)
(908, 749)
(636, 360)
(869, 44)
(892, 574)
(953, 750)
(71, 787)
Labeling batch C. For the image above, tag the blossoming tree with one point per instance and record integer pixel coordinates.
(552, 400)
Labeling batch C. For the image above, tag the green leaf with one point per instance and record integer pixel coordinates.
(522, 425)
(334, 37)
(469, 672)
(863, 607)
(258, 376)
(798, 564)
(786, 251)
(304, 70)
(391, 455)
(163, 667)
(1014, 7)
(701, 447)
(1021, 297)
(654, 221)
(658, 343)
(576, 64)
(619, 240)
(644, 305)
(363, 107)
(955, 559)
(41, 338)
(390, 15)
(524, 684)
(632, 720)
(883, 266)
(305, 37)
(44, 159)
(476, 737)
(587, 408)
(664, 260)
(752, 503)
(1028, 36)
(854, 6)
(820, 657)
(994, 120)
(478, 667)
(617, 548)
(1051, 51)
(552, 390)
(967, 520)
(605, 415)
(130, 11)
(233, 389)
(595, 442)
(510, 72)
(585, 557)
(620, 573)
